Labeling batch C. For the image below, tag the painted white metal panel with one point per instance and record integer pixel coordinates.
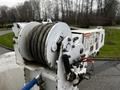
(11, 74)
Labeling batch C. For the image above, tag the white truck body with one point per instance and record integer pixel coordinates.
(92, 39)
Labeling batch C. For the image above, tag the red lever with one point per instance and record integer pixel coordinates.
(89, 59)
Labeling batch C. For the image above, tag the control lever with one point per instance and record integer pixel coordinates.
(36, 81)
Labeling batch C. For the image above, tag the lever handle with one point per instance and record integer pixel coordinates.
(30, 84)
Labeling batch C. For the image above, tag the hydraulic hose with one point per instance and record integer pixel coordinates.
(36, 42)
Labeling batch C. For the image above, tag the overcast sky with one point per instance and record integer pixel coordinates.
(10, 3)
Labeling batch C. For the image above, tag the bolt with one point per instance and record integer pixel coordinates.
(81, 50)
(75, 38)
(69, 39)
(81, 66)
(64, 50)
(73, 46)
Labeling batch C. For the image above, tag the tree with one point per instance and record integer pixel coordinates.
(3, 15)
(12, 15)
(36, 10)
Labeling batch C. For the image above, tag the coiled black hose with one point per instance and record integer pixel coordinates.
(37, 40)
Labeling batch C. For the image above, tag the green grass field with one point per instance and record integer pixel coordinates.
(110, 49)
(112, 43)
(7, 40)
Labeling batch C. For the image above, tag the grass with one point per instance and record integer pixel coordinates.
(112, 43)
(7, 40)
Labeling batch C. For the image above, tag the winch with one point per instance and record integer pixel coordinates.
(57, 49)
(40, 42)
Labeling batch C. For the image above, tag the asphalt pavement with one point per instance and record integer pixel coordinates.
(106, 76)
(5, 32)
(3, 50)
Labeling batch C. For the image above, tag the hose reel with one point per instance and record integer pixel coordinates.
(38, 42)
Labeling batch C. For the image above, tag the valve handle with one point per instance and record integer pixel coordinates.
(30, 84)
